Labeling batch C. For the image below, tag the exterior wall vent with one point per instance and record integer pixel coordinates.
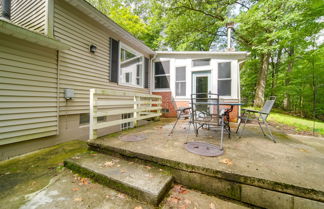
(5, 9)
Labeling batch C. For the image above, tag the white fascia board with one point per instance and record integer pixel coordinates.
(239, 55)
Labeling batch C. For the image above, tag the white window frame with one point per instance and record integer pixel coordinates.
(133, 51)
(225, 79)
(183, 81)
(160, 75)
(193, 66)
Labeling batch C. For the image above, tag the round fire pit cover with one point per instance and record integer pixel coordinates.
(204, 149)
(132, 138)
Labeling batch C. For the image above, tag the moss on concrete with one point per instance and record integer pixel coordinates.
(114, 184)
(29, 173)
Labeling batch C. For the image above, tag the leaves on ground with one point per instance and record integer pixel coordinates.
(148, 167)
(75, 189)
(138, 207)
(121, 196)
(180, 189)
(109, 164)
(212, 206)
(226, 161)
(173, 199)
(78, 199)
(303, 150)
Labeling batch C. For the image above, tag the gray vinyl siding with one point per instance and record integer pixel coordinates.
(80, 69)
(28, 91)
(29, 14)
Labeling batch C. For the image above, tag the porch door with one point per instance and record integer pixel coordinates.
(201, 86)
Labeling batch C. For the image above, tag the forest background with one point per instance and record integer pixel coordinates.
(285, 38)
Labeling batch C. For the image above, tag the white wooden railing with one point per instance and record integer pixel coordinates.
(115, 103)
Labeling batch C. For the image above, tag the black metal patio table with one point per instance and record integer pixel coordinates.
(207, 149)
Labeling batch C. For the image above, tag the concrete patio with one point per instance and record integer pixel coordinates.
(253, 169)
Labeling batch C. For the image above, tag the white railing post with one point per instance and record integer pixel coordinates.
(93, 111)
(135, 114)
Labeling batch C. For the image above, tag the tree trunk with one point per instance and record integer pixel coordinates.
(286, 101)
(262, 78)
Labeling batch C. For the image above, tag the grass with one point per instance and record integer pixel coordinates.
(300, 124)
(29, 173)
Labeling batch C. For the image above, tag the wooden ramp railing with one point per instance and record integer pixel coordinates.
(114, 103)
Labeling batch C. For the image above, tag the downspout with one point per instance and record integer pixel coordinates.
(58, 93)
(152, 75)
(239, 85)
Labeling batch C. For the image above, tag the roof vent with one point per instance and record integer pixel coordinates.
(5, 8)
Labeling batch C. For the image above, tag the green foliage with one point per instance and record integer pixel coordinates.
(145, 27)
(284, 29)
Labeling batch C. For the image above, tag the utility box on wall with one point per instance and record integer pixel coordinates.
(68, 94)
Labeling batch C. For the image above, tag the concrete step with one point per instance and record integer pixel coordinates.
(142, 182)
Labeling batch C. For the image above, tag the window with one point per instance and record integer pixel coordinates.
(128, 77)
(85, 119)
(224, 79)
(139, 74)
(200, 62)
(127, 125)
(131, 65)
(180, 82)
(162, 75)
(114, 57)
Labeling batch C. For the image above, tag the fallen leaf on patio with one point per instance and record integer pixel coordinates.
(75, 189)
(148, 167)
(109, 163)
(121, 196)
(123, 171)
(187, 201)
(149, 175)
(226, 161)
(138, 207)
(78, 199)
(180, 189)
(173, 199)
(212, 206)
(303, 150)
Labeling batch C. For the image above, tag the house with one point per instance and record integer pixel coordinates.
(53, 51)
(177, 75)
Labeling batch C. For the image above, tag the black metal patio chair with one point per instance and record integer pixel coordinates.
(259, 116)
(206, 112)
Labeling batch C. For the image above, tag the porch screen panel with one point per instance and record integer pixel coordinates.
(180, 81)
(224, 79)
(162, 74)
(114, 60)
(146, 72)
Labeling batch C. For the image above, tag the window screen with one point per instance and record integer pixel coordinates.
(114, 60)
(180, 81)
(224, 79)
(162, 68)
(162, 75)
(200, 62)
(162, 82)
(224, 70)
(146, 72)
